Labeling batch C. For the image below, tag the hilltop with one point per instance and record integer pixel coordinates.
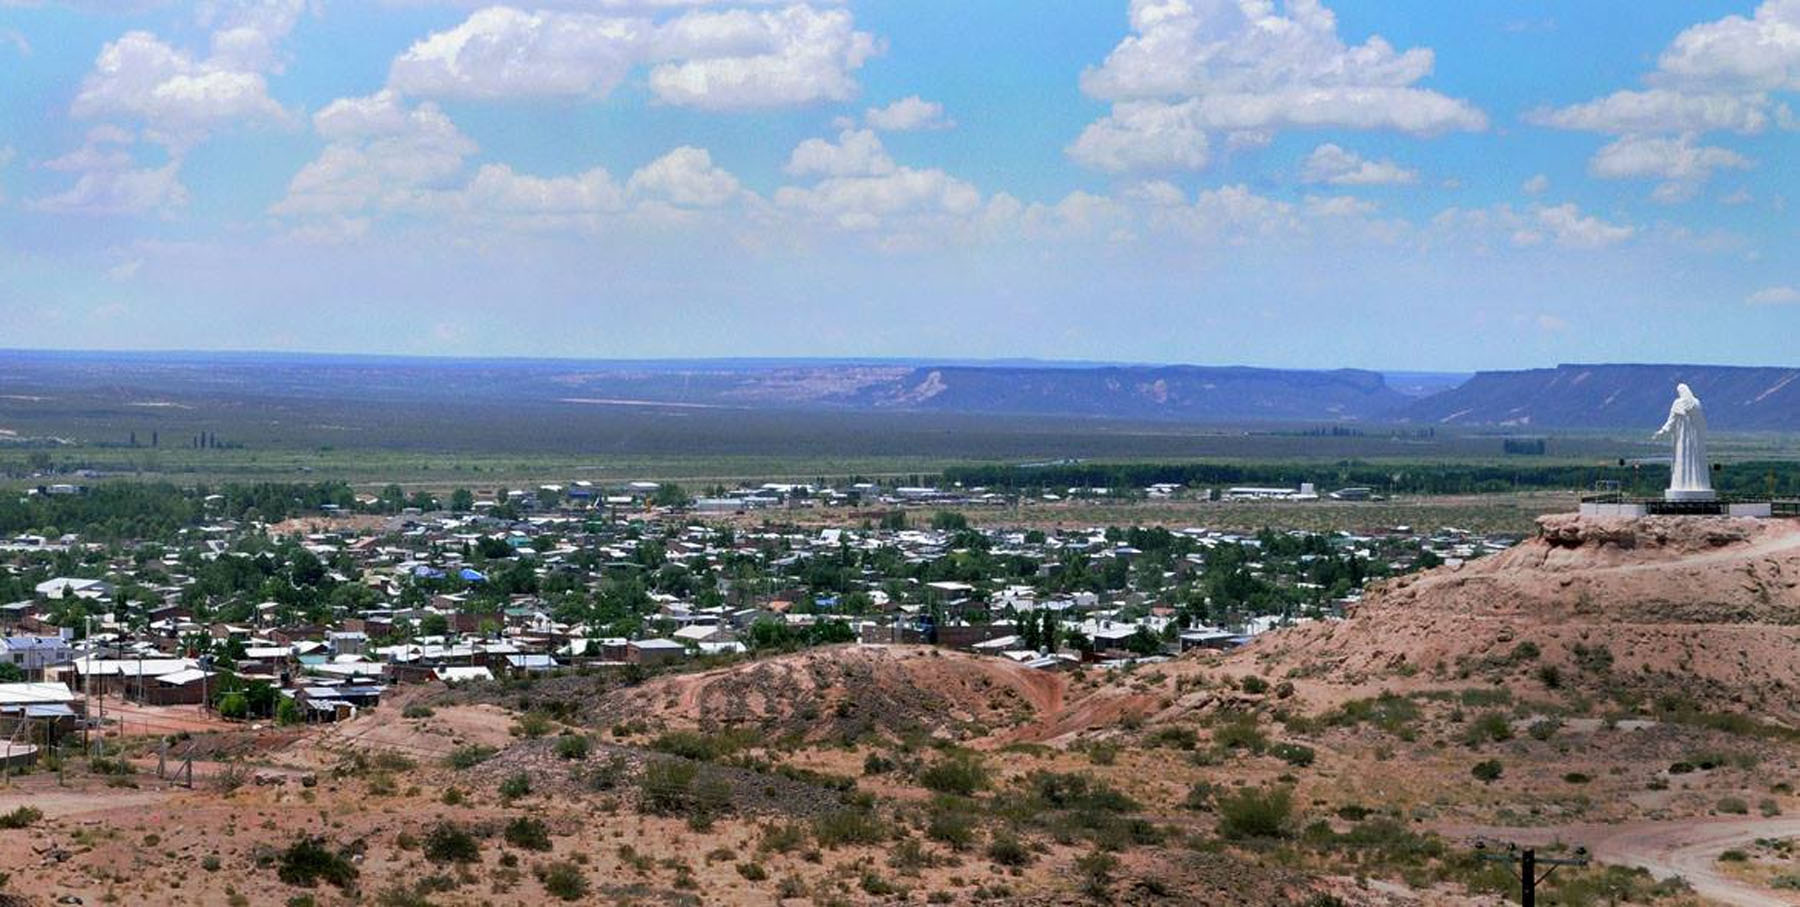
(1705, 611)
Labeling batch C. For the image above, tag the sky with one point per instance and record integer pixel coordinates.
(1393, 184)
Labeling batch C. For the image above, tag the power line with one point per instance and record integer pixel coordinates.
(1528, 861)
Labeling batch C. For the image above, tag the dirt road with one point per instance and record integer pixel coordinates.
(1689, 849)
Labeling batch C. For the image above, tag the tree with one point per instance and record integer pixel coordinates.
(462, 500)
(670, 495)
(434, 625)
(1144, 641)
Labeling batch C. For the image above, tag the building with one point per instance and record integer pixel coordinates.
(32, 654)
(61, 586)
(654, 651)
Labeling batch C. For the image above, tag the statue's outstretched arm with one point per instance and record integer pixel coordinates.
(1668, 426)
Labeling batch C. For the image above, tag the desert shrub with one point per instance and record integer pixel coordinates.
(1594, 660)
(1680, 768)
(416, 710)
(1391, 712)
(1550, 676)
(452, 796)
(1577, 778)
(1493, 726)
(1615, 885)
(1239, 732)
(1256, 813)
(308, 861)
(849, 827)
(105, 765)
(666, 785)
(782, 838)
(448, 842)
(1057, 790)
(1006, 849)
(909, 856)
(1544, 729)
(528, 834)
(1253, 684)
(951, 823)
(1487, 770)
(466, 757)
(609, 774)
(572, 746)
(532, 724)
(1200, 797)
(1096, 872)
(753, 872)
(1294, 753)
(1734, 806)
(21, 817)
(563, 880)
(1769, 808)
(1173, 737)
(873, 884)
(1734, 856)
(387, 761)
(963, 774)
(515, 785)
(877, 764)
(703, 747)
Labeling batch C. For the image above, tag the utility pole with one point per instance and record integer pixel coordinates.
(1528, 861)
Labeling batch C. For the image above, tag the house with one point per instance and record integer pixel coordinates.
(700, 633)
(347, 642)
(39, 700)
(461, 673)
(32, 654)
(654, 651)
(62, 586)
(186, 687)
(52, 704)
(334, 703)
(521, 665)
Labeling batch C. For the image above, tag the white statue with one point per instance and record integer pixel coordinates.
(1690, 478)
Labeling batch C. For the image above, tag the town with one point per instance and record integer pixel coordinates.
(310, 618)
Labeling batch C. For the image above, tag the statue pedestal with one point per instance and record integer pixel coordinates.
(1690, 495)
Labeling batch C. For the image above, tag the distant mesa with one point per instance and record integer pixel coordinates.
(1566, 397)
(1738, 398)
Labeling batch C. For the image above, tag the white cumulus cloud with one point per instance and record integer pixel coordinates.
(1330, 163)
(909, 114)
(1239, 66)
(1682, 163)
(686, 177)
(857, 152)
(710, 59)
(1782, 295)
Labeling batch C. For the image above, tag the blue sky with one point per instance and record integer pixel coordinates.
(1393, 184)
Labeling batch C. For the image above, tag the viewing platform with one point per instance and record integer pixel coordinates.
(1621, 505)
